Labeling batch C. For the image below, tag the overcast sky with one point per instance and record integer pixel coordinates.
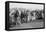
(27, 6)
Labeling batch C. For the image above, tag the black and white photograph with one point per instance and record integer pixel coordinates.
(25, 15)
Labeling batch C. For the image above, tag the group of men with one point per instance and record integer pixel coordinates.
(19, 17)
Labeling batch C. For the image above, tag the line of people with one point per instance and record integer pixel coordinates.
(18, 17)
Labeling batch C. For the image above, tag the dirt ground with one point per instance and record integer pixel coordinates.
(32, 24)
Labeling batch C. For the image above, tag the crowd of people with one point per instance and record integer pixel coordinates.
(19, 16)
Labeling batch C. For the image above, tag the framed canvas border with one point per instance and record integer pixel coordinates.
(7, 14)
